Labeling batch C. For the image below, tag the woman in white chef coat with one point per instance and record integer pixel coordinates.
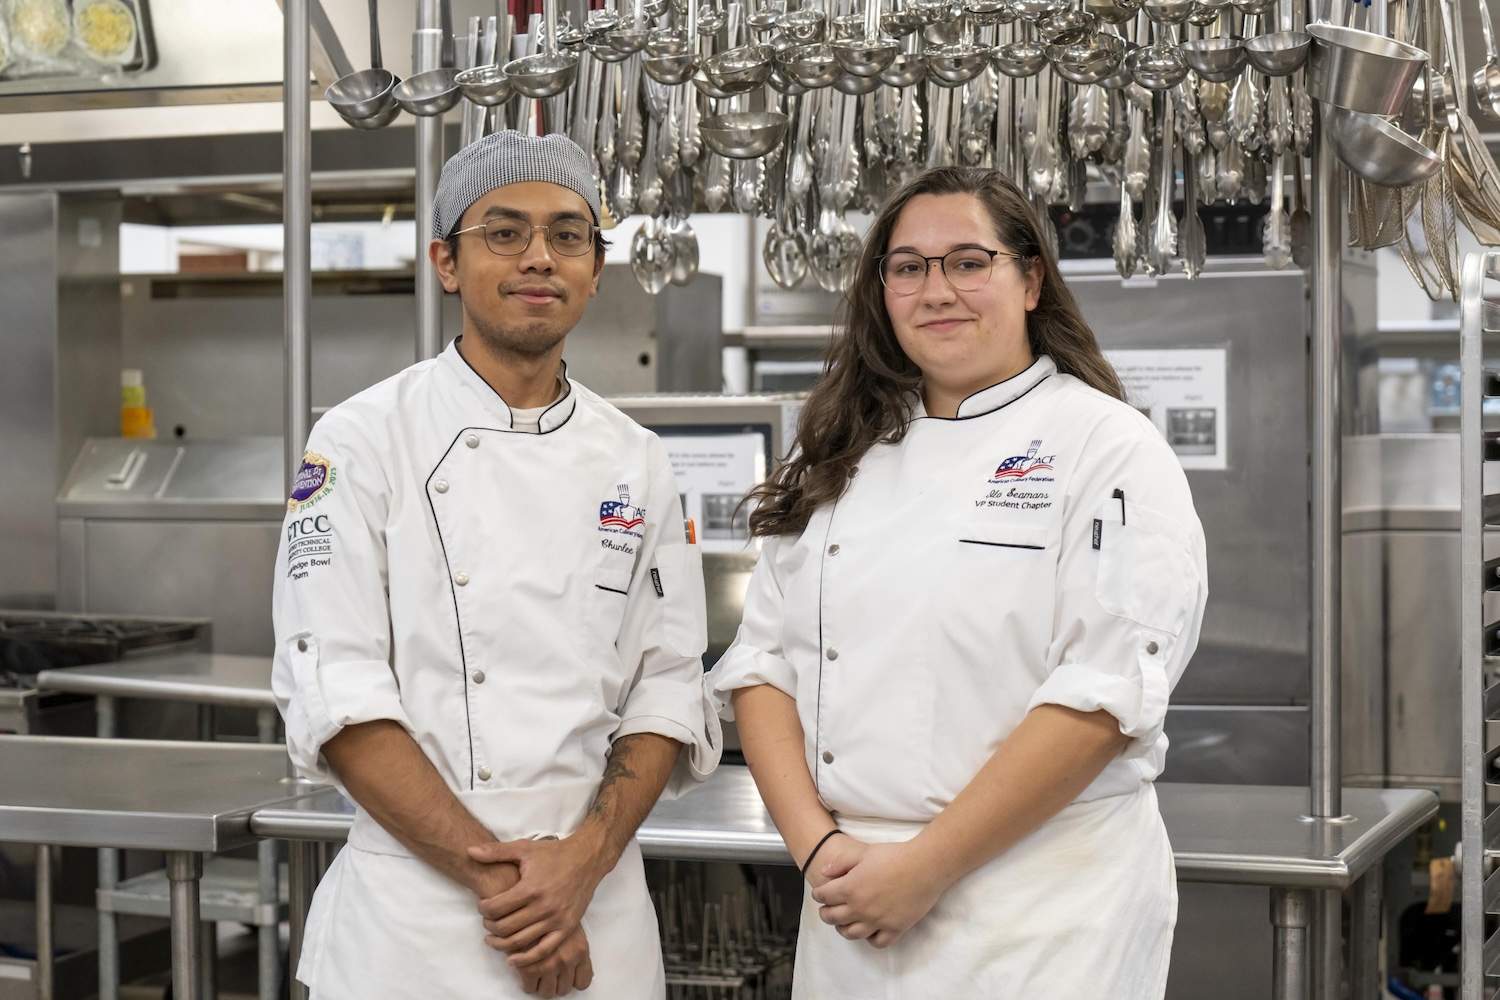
(981, 577)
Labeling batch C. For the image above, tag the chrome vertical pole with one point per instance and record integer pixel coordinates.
(1291, 912)
(45, 951)
(269, 968)
(1325, 385)
(296, 278)
(427, 46)
(301, 877)
(184, 869)
(109, 874)
(1364, 934)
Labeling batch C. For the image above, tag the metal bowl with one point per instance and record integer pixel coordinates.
(1217, 60)
(429, 93)
(741, 69)
(605, 52)
(1067, 27)
(671, 69)
(781, 82)
(1360, 70)
(485, 86)
(1254, 7)
(1157, 67)
(907, 69)
(865, 57)
(600, 21)
(707, 87)
(1279, 53)
(1205, 14)
(763, 21)
(1035, 10)
(543, 75)
(899, 23)
(812, 65)
(804, 25)
(378, 120)
(983, 12)
(932, 11)
(847, 26)
(1169, 11)
(1377, 150)
(710, 19)
(1088, 61)
(1020, 58)
(668, 42)
(955, 65)
(1109, 11)
(743, 135)
(628, 38)
(858, 86)
(365, 94)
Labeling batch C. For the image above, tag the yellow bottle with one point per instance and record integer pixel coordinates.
(136, 420)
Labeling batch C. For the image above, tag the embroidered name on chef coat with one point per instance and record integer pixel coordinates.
(1022, 482)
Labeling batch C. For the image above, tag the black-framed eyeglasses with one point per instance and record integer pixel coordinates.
(966, 268)
(508, 237)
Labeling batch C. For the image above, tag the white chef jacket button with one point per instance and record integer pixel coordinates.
(827, 757)
(462, 579)
(472, 440)
(301, 645)
(833, 549)
(833, 654)
(483, 774)
(441, 486)
(478, 676)
(1152, 647)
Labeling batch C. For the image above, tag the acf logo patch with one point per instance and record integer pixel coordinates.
(313, 482)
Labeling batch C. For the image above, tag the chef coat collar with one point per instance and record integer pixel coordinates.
(552, 417)
(994, 397)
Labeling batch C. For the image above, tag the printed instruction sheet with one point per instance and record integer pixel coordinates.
(1185, 394)
(714, 472)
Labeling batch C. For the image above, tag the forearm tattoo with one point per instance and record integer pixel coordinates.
(616, 768)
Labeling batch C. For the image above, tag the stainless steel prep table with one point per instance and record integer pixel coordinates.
(250, 889)
(1242, 834)
(183, 798)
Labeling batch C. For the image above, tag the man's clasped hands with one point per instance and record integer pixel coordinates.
(533, 894)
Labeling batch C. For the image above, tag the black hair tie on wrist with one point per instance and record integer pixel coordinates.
(808, 863)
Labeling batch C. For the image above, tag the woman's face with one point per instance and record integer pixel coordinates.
(962, 341)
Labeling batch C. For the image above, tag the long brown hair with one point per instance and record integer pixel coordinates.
(868, 384)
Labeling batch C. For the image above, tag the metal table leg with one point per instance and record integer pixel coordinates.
(302, 864)
(109, 874)
(1291, 913)
(270, 888)
(184, 869)
(208, 959)
(44, 948)
(1364, 932)
(1328, 945)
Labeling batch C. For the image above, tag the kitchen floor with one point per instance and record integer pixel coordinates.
(238, 978)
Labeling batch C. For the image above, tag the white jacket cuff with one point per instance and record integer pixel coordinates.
(1138, 702)
(678, 710)
(334, 696)
(744, 666)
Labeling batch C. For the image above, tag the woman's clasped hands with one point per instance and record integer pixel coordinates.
(873, 892)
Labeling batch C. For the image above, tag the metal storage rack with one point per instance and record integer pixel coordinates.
(1480, 639)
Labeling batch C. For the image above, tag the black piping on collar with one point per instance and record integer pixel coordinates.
(509, 412)
(980, 392)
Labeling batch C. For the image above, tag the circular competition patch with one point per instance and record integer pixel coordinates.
(313, 482)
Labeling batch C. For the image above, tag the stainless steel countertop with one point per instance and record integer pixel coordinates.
(201, 678)
(1245, 834)
(148, 794)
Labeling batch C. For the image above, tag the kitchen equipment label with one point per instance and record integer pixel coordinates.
(1184, 393)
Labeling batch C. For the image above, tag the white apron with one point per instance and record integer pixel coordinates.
(1083, 908)
(428, 942)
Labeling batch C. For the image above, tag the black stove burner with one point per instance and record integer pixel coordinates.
(30, 643)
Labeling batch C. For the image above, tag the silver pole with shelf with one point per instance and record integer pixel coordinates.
(1480, 896)
(427, 45)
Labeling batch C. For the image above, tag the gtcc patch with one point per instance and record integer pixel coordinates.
(313, 482)
(309, 544)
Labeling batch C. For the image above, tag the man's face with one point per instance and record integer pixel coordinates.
(527, 303)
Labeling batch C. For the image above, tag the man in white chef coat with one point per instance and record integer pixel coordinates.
(488, 629)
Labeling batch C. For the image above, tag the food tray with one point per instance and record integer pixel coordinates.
(75, 58)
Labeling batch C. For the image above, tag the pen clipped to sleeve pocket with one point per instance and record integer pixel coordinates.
(1146, 570)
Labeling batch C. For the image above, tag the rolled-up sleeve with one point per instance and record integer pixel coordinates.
(757, 655)
(664, 632)
(1132, 585)
(331, 613)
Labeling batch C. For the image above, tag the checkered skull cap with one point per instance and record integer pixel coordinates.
(509, 157)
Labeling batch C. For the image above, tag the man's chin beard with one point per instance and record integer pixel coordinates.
(529, 342)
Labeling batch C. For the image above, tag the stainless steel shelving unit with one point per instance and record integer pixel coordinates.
(1480, 640)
